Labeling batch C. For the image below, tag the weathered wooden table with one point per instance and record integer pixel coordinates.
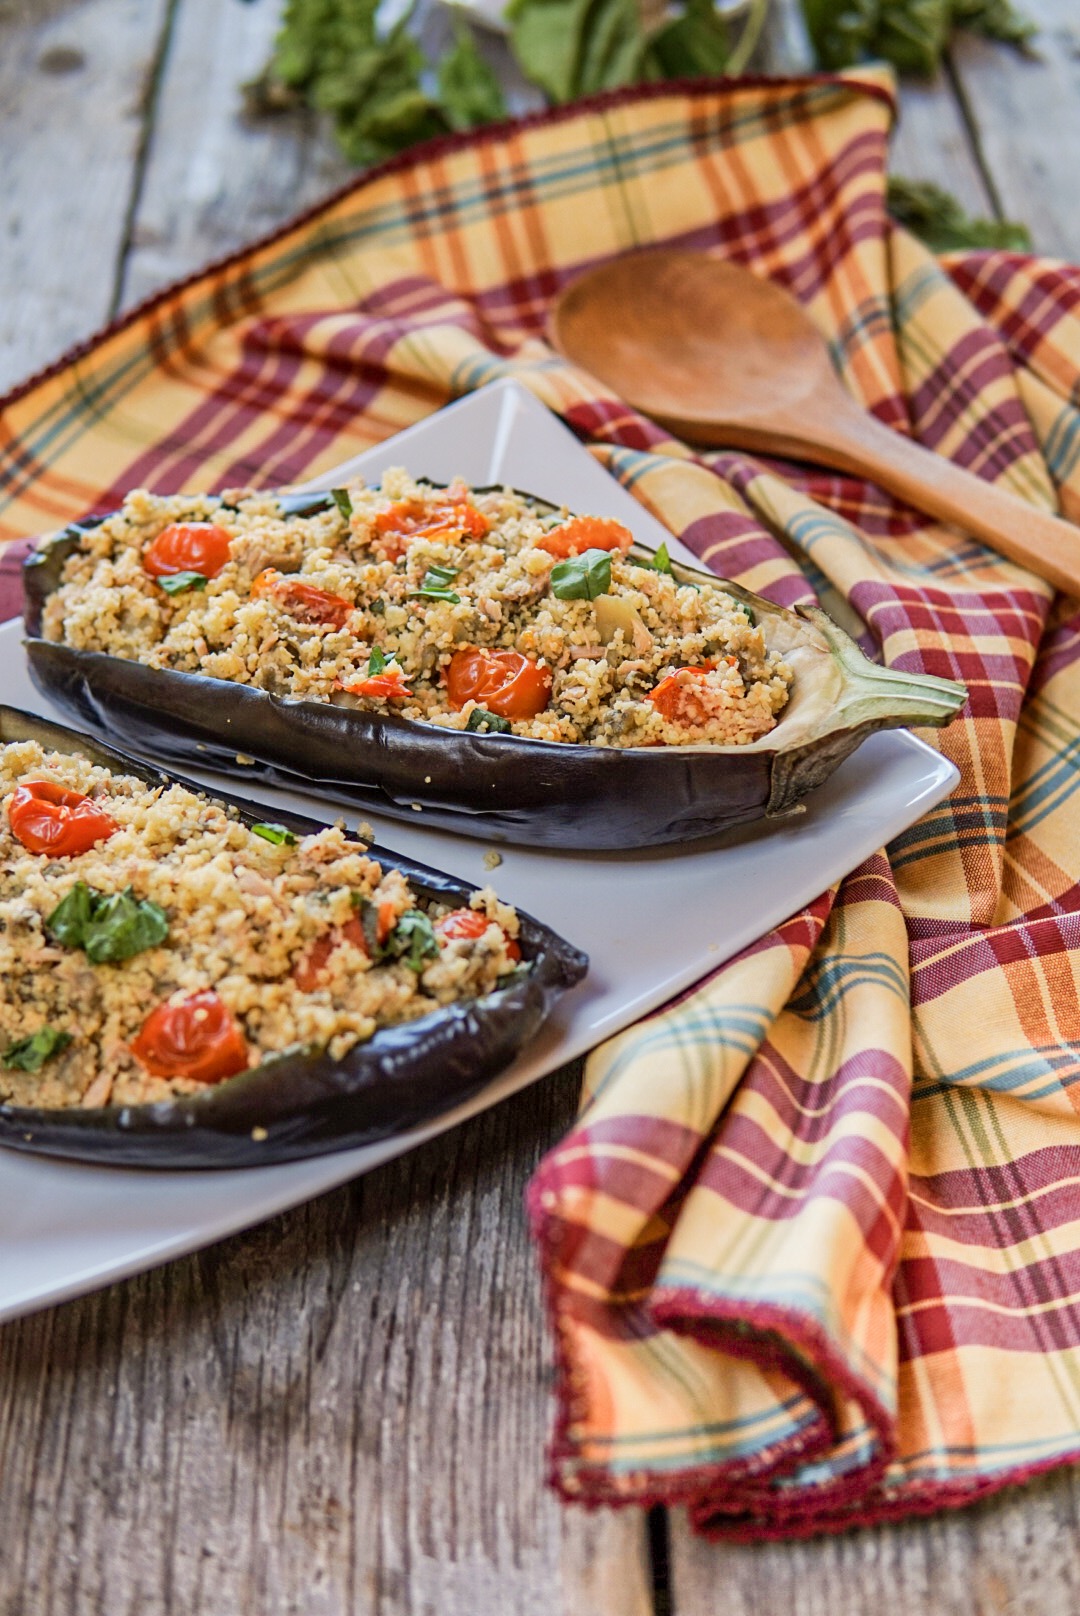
(345, 1409)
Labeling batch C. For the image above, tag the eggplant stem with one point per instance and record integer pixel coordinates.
(885, 697)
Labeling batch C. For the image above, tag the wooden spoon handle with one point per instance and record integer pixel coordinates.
(859, 443)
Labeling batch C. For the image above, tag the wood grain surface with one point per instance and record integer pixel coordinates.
(345, 1410)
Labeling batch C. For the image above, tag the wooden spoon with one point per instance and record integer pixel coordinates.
(723, 358)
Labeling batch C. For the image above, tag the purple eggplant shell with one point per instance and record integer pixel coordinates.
(501, 787)
(302, 1102)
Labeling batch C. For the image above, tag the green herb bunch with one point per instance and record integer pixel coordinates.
(383, 95)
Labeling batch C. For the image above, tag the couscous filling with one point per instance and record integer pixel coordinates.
(152, 943)
(449, 606)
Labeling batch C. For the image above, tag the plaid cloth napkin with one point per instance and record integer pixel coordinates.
(812, 1250)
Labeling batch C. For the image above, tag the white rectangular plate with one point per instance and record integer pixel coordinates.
(651, 922)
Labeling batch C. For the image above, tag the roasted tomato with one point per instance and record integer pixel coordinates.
(48, 819)
(201, 547)
(389, 686)
(452, 519)
(302, 601)
(504, 682)
(585, 533)
(676, 697)
(307, 972)
(196, 1038)
(470, 923)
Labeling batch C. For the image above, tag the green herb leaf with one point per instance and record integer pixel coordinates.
(30, 1054)
(660, 562)
(340, 497)
(911, 34)
(582, 577)
(377, 607)
(177, 583)
(436, 594)
(938, 219)
(272, 832)
(331, 54)
(109, 926)
(123, 926)
(469, 91)
(436, 585)
(413, 940)
(377, 662)
(481, 720)
(72, 915)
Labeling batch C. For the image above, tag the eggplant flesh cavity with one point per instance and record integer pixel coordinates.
(302, 1102)
(497, 786)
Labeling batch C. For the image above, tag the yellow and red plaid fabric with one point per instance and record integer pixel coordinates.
(812, 1249)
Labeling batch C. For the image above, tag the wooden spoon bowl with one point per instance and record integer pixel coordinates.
(723, 358)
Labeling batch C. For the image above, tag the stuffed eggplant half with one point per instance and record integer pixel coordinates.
(506, 668)
(187, 982)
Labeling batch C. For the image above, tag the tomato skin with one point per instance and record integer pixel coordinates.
(303, 601)
(470, 923)
(187, 547)
(585, 533)
(387, 686)
(48, 819)
(196, 1038)
(675, 697)
(413, 519)
(307, 971)
(504, 682)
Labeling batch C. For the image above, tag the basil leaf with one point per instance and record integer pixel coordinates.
(376, 661)
(110, 927)
(123, 926)
(661, 561)
(340, 497)
(439, 577)
(481, 720)
(377, 607)
(413, 940)
(72, 915)
(436, 594)
(30, 1054)
(582, 577)
(278, 834)
(177, 583)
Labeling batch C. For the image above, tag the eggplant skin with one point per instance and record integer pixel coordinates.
(503, 788)
(301, 1102)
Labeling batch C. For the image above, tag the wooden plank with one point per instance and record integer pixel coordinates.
(1026, 111)
(931, 142)
(214, 179)
(73, 81)
(344, 1410)
(1015, 1555)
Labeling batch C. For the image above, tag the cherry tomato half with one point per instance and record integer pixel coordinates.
(387, 686)
(676, 698)
(505, 682)
(196, 1038)
(470, 923)
(302, 601)
(413, 518)
(585, 533)
(187, 547)
(308, 970)
(48, 819)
